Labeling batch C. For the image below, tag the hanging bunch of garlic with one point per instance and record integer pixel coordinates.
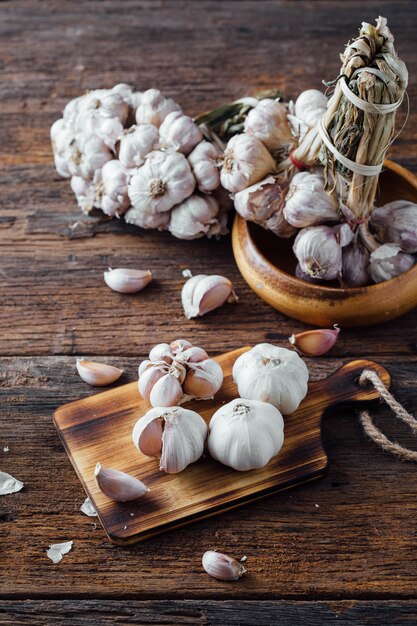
(177, 372)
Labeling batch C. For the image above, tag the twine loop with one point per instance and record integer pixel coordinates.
(404, 454)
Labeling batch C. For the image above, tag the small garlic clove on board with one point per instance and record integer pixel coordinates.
(125, 280)
(98, 374)
(315, 342)
(203, 379)
(222, 566)
(204, 293)
(117, 485)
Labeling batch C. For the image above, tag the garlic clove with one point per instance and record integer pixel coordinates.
(125, 280)
(204, 379)
(166, 392)
(179, 345)
(315, 342)
(222, 566)
(150, 438)
(144, 365)
(161, 352)
(149, 377)
(192, 355)
(118, 485)
(98, 374)
(204, 293)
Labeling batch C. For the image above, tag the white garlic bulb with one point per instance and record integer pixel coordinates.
(87, 153)
(148, 219)
(268, 122)
(195, 217)
(61, 138)
(307, 111)
(389, 261)
(245, 161)
(319, 250)
(396, 222)
(154, 107)
(164, 180)
(136, 143)
(84, 191)
(272, 374)
(245, 434)
(307, 203)
(204, 160)
(204, 293)
(263, 204)
(179, 132)
(106, 103)
(174, 434)
(114, 200)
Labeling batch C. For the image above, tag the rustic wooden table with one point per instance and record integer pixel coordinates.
(341, 550)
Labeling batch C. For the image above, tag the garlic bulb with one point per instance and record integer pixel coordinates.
(204, 161)
(84, 191)
(268, 122)
(307, 111)
(164, 180)
(355, 265)
(124, 280)
(136, 143)
(307, 203)
(106, 103)
(263, 204)
(204, 293)
(179, 132)
(87, 153)
(389, 261)
(117, 485)
(319, 250)
(315, 342)
(97, 374)
(136, 216)
(174, 434)
(154, 107)
(271, 374)
(197, 216)
(222, 566)
(245, 161)
(245, 434)
(114, 199)
(396, 222)
(61, 138)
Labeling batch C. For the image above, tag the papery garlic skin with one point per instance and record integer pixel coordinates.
(271, 374)
(245, 434)
(396, 222)
(263, 204)
(307, 203)
(195, 217)
(154, 107)
(222, 566)
(204, 293)
(175, 434)
(117, 485)
(164, 180)
(114, 199)
(125, 280)
(268, 122)
(389, 261)
(245, 161)
(204, 161)
(136, 143)
(179, 132)
(319, 250)
(97, 374)
(315, 342)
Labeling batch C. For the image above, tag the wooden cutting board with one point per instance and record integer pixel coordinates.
(99, 429)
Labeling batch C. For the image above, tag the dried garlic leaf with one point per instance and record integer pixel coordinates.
(57, 550)
(8, 484)
(88, 508)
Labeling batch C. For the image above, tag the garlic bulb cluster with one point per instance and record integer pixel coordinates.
(271, 374)
(177, 372)
(175, 435)
(139, 156)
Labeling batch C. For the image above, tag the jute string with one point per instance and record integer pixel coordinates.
(404, 454)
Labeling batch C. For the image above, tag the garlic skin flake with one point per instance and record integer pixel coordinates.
(271, 374)
(222, 566)
(154, 107)
(124, 280)
(9, 484)
(174, 434)
(307, 203)
(245, 434)
(389, 261)
(57, 550)
(136, 143)
(204, 293)
(315, 342)
(117, 485)
(88, 509)
(179, 132)
(97, 374)
(205, 163)
(268, 122)
(245, 161)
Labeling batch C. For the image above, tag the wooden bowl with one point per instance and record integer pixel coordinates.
(267, 263)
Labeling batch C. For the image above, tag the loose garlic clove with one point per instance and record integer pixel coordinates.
(97, 374)
(222, 566)
(315, 342)
(118, 485)
(202, 294)
(175, 434)
(203, 380)
(125, 280)
(161, 352)
(166, 392)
